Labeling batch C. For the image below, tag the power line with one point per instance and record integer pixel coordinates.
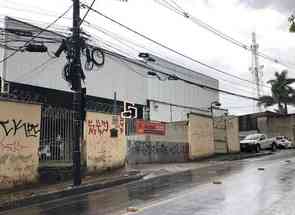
(220, 34)
(87, 12)
(61, 29)
(35, 36)
(205, 87)
(184, 80)
(108, 44)
(170, 49)
(8, 32)
(117, 38)
(39, 12)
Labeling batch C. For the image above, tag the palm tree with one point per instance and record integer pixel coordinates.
(282, 93)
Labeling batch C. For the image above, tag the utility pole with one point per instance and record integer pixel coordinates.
(77, 95)
(256, 69)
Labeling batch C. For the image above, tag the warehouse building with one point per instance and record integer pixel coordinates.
(150, 82)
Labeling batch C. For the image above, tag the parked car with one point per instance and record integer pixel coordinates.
(283, 142)
(256, 142)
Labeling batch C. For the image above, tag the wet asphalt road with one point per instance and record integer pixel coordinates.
(243, 190)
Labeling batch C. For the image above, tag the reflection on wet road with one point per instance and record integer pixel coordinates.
(244, 190)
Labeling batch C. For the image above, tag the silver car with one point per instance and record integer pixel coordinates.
(283, 142)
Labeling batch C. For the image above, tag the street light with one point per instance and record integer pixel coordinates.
(167, 77)
(214, 104)
(146, 57)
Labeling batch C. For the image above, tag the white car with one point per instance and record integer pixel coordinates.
(283, 142)
(256, 142)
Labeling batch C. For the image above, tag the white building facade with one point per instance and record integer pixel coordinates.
(168, 100)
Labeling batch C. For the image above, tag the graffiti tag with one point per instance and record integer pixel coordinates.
(12, 147)
(98, 127)
(11, 127)
(101, 127)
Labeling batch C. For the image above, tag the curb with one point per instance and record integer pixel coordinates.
(245, 156)
(67, 192)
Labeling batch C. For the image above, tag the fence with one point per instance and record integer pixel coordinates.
(57, 134)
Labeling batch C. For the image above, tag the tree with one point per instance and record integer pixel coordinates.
(282, 93)
(292, 23)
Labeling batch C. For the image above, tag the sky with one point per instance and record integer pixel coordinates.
(237, 18)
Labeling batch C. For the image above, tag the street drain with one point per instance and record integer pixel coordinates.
(288, 161)
(217, 182)
(261, 169)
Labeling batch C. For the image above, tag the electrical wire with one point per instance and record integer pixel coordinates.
(223, 79)
(10, 38)
(38, 12)
(35, 36)
(170, 49)
(106, 43)
(187, 81)
(87, 12)
(130, 67)
(203, 86)
(149, 66)
(117, 38)
(220, 34)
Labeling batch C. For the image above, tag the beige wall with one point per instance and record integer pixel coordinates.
(226, 135)
(19, 143)
(176, 132)
(102, 151)
(277, 126)
(220, 135)
(232, 131)
(262, 125)
(200, 136)
(171, 147)
(281, 127)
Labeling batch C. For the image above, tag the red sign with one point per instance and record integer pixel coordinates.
(146, 127)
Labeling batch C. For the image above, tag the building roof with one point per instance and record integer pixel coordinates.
(262, 114)
(266, 114)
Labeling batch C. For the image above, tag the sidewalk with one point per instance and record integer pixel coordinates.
(44, 192)
(38, 193)
(156, 170)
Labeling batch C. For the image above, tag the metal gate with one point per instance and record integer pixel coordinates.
(220, 137)
(57, 134)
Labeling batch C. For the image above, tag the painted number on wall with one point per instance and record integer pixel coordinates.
(130, 111)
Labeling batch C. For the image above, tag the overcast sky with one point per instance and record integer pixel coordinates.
(237, 18)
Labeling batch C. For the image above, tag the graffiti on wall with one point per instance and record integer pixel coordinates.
(102, 127)
(14, 146)
(13, 126)
(97, 127)
(19, 141)
(156, 147)
(147, 152)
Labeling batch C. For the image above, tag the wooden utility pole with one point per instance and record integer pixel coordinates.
(76, 69)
